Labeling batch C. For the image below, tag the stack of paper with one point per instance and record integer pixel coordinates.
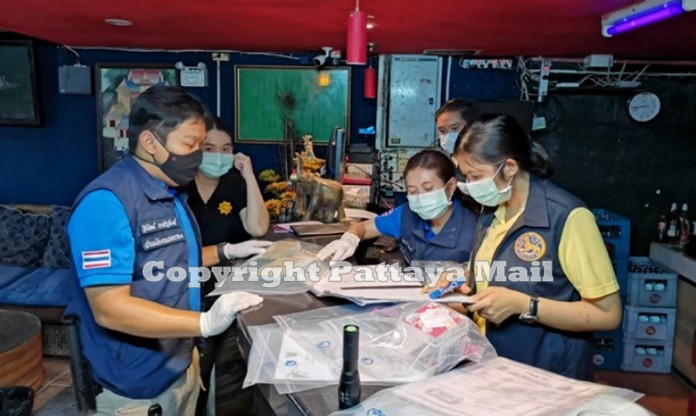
(500, 387)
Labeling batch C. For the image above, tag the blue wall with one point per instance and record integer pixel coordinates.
(52, 163)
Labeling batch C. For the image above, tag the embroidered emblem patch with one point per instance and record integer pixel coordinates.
(225, 208)
(162, 224)
(99, 259)
(530, 246)
(153, 242)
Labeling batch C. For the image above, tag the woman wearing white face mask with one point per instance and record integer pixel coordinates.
(433, 225)
(226, 199)
(528, 226)
(228, 206)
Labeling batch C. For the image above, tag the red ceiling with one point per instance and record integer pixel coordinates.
(498, 27)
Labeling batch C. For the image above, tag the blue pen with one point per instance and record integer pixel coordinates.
(445, 290)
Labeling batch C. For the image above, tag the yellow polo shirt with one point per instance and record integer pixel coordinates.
(582, 253)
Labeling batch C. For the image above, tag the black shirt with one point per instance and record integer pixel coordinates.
(219, 218)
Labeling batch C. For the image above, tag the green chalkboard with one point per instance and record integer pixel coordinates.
(262, 91)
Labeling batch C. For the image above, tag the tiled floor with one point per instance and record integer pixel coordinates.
(666, 395)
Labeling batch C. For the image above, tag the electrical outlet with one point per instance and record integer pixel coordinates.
(538, 123)
(221, 56)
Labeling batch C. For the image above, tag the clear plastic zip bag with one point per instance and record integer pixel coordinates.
(398, 344)
(279, 358)
(286, 267)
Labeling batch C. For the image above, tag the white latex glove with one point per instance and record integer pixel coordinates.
(224, 310)
(341, 249)
(245, 249)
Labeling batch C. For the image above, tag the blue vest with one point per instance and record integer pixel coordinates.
(134, 367)
(452, 243)
(565, 353)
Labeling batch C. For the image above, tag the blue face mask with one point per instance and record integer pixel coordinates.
(215, 165)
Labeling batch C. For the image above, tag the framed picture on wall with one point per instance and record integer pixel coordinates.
(19, 99)
(118, 85)
(274, 104)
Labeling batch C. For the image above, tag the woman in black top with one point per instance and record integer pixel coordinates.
(227, 203)
(226, 200)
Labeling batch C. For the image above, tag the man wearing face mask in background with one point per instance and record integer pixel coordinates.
(450, 120)
(137, 324)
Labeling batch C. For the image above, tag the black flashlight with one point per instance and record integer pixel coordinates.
(349, 383)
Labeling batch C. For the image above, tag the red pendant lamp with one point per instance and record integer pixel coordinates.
(357, 37)
(370, 90)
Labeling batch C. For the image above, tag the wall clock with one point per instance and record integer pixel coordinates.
(644, 107)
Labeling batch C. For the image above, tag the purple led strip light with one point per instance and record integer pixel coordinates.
(650, 16)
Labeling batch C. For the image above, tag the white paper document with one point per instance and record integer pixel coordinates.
(505, 387)
(377, 284)
(296, 365)
(360, 214)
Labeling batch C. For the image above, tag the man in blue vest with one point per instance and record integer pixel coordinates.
(133, 243)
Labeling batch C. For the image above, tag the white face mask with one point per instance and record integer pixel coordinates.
(429, 205)
(447, 141)
(486, 192)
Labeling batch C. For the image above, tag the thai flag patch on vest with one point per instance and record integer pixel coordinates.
(96, 259)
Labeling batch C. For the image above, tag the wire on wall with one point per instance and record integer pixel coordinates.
(142, 50)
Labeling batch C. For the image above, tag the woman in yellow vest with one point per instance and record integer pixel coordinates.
(544, 280)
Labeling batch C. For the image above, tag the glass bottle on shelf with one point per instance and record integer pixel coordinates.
(672, 223)
(684, 226)
(662, 229)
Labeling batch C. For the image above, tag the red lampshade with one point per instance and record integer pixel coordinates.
(370, 83)
(357, 38)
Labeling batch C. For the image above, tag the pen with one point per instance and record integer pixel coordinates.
(444, 290)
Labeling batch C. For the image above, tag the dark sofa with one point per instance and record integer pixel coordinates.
(35, 271)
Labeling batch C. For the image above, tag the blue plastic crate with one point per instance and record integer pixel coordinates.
(651, 284)
(646, 323)
(608, 349)
(647, 356)
(621, 271)
(616, 232)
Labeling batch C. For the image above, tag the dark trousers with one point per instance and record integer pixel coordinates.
(222, 351)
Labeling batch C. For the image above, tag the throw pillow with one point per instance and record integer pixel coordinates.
(57, 253)
(23, 238)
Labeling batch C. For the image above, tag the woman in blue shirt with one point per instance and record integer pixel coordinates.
(434, 225)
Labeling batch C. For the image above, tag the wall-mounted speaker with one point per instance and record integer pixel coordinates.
(75, 80)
